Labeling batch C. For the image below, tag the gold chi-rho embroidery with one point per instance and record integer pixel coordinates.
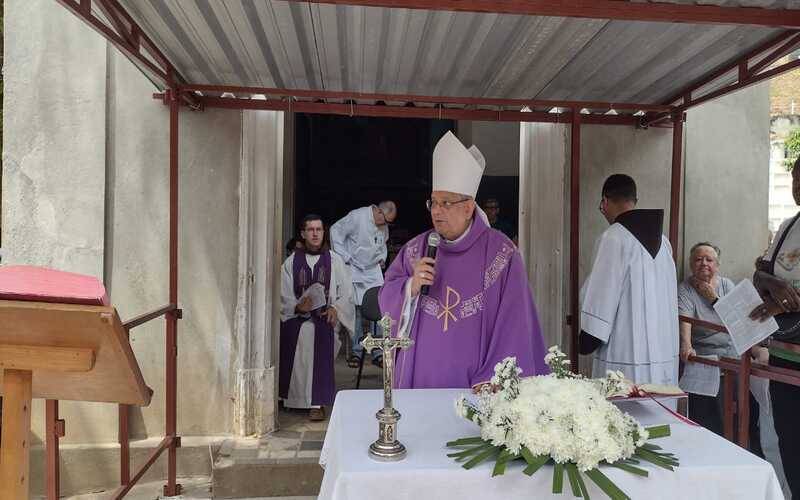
(447, 306)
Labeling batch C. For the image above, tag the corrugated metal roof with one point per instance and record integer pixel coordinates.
(295, 45)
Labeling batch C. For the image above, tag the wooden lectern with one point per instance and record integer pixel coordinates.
(61, 351)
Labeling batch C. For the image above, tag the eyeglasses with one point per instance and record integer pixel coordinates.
(447, 205)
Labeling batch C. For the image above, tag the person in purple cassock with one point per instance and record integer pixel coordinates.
(316, 300)
(479, 308)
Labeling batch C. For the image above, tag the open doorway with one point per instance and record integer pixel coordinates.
(343, 163)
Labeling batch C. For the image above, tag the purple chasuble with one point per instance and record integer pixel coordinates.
(479, 311)
(323, 387)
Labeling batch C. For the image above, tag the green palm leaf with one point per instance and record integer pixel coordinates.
(558, 478)
(481, 457)
(572, 475)
(604, 483)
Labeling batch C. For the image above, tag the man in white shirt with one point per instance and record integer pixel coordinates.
(629, 302)
(360, 239)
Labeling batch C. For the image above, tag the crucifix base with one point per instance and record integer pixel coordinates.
(387, 448)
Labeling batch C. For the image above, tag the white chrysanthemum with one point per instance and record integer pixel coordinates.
(568, 419)
(461, 408)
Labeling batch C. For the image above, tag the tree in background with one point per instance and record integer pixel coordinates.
(792, 146)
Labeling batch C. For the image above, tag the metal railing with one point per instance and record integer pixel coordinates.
(742, 369)
(55, 427)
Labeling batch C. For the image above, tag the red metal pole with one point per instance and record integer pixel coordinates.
(665, 12)
(405, 98)
(123, 490)
(54, 430)
(398, 111)
(124, 447)
(743, 405)
(729, 409)
(675, 188)
(574, 237)
(123, 436)
(172, 488)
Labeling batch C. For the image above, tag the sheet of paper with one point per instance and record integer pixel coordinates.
(316, 293)
(734, 309)
(701, 379)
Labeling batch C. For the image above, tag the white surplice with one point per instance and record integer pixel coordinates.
(340, 296)
(362, 245)
(629, 302)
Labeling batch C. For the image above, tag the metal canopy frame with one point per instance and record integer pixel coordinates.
(118, 27)
(599, 9)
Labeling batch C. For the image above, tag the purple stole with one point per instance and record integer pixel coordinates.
(323, 384)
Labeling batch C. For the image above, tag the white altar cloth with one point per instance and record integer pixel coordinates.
(710, 467)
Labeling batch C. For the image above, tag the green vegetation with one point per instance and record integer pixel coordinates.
(792, 149)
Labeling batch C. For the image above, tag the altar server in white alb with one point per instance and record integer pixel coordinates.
(360, 239)
(629, 308)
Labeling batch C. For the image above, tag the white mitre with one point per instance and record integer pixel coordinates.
(457, 169)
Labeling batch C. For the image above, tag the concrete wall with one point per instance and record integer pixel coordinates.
(645, 155)
(261, 193)
(85, 190)
(54, 139)
(544, 240)
(137, 252)
(543, 229)
(499, 143)
(726, 159)
(54, 153)
(727, 178)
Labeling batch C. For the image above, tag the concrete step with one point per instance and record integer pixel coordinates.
(89, 468)
(282, 464)
(194, 488)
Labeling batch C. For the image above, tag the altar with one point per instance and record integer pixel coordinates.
(710, 467)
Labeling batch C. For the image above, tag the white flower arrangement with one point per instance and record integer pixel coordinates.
(561, 418)
(613, 385)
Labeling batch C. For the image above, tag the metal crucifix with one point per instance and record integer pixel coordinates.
(387, 448)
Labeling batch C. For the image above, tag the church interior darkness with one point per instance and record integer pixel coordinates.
(344, 163)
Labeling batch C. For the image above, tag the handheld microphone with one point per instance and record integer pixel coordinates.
(433, 243)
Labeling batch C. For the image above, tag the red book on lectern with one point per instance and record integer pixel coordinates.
(40, 284)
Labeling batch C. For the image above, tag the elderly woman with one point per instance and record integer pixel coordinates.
(696, 298)
(777, 278)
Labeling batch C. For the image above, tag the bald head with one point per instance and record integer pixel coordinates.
(389, 209)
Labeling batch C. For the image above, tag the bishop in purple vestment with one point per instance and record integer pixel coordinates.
(479, 308)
